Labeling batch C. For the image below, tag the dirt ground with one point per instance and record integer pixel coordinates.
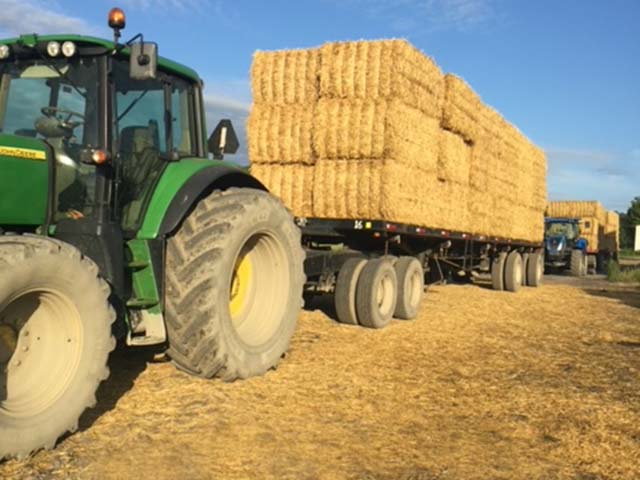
(542, 384)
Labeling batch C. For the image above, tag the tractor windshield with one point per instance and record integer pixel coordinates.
(32, 92)
(566, 229)
(56, 101)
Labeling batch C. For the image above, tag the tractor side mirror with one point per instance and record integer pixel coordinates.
(143, 63)
(223, 140)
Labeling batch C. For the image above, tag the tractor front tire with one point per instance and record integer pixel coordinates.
(55, 339)
(234, 285)
(578, 263)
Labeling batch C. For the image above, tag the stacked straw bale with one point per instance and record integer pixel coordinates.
(599, 226)
(375, 130)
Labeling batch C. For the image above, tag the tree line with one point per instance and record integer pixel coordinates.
(628, 222)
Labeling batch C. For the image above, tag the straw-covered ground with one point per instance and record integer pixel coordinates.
(543, 384)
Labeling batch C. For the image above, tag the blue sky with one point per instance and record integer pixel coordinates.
(566, 72)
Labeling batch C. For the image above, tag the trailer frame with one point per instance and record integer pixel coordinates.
(445, 255)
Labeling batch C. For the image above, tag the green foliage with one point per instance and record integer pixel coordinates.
(628, 222)
(633, 213)
(626, 232)
(628, 253)
(615, 274)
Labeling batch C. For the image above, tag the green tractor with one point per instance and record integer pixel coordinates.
(120, 221)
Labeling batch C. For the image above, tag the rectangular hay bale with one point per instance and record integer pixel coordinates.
(381, 69)
(361, 129)
(292, 183)
(454, 158)
(285, 77)
(280, 134)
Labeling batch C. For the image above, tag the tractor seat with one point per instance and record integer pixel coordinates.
(141, 164)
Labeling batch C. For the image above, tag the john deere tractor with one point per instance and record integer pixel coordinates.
(119, 220)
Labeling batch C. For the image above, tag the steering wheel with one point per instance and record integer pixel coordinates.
(53, 112)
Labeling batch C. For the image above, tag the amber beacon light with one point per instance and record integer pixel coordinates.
(117, 20)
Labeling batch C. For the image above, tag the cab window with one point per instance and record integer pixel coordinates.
(153, 123)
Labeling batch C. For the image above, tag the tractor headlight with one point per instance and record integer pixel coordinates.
(68, 49)
(53, 49)
(4, 52)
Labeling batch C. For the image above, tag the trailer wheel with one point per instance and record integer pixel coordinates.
(497, 271)
(234, 285)
(55, 338)
(578, 263)
(525, 265)
(410, 278)
(376, 294)
(513, 272)
(535, 269)
(345, 294)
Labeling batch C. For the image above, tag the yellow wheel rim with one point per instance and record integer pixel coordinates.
(240, 286)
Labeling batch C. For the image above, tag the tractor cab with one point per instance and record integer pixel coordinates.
(88, 128)
(567, 228)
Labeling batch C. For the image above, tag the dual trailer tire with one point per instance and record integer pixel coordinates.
(509, 271)
(371, 292)
(535, 269)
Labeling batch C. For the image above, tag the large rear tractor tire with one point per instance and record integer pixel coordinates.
(513, 272)
(535, 269)
(234, 285)
(345, 294)
(578, 265)
(376, 294)
(497, 271)
(55, 339)
(410, 277)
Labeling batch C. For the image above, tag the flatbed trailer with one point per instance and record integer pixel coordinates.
(377, 269)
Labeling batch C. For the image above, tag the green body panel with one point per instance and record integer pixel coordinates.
(173, 178)
(163, 63)
(143, 280)
(24, 182)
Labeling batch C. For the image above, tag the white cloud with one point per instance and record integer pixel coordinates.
(607, 176)
(569, 155)
(35, 16)
(165, 4)
(428, 15)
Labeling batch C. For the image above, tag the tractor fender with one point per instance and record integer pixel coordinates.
(218, 177)
(581, 244)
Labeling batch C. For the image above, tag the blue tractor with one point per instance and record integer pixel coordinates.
(564, 247)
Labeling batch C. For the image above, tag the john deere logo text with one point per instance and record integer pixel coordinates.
(22, 153)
